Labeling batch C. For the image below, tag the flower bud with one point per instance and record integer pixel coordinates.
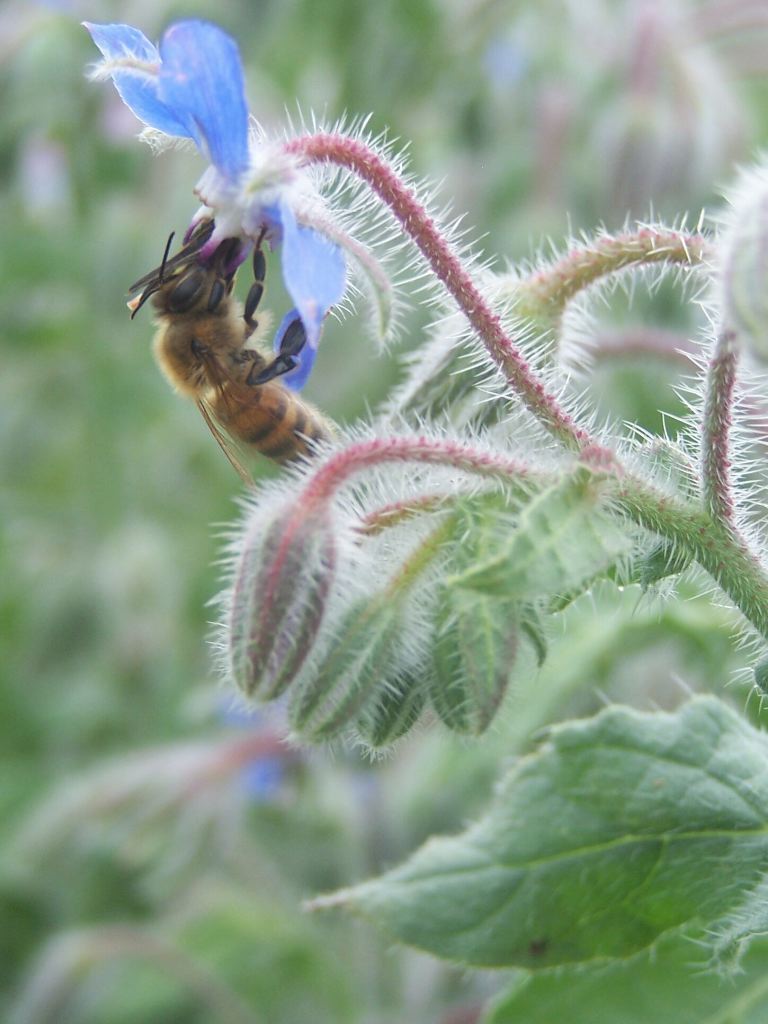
(744, 263)
(395, 712)
(279, 594)
(356, 669)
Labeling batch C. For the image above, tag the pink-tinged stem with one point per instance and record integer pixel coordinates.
(367, 454)
(642, 342)
(311, 504)
(716, 428)
(368, 165)
(397, 512)
(547, 291)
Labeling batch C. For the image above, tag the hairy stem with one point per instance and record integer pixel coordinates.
(368, 165)
(655, 343)
(709, 537)
(714, 544)
(368, 454)
(715, 429)
(396, 512)
(545, 294)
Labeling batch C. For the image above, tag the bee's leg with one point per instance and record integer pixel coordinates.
(278, 366)
(293, 341)
(257, 288)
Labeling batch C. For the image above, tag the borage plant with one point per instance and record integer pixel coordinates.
(414, 569)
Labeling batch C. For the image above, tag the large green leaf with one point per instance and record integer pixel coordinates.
(619, 829)
(666, 984)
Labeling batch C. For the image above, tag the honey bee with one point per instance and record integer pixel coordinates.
(200, 346)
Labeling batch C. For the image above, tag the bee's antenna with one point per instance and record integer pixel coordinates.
(145, 295)
(155, 279)
(158, 281)
(161, 271)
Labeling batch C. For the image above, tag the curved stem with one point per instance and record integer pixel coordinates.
(365, 454)
(644, 342)
(396, 512)
(547, 291)
(710, 538)
(65, 962)
(368, 165)
(716, 427)
(714, 544)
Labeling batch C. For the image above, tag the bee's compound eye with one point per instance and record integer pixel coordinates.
(187, 292)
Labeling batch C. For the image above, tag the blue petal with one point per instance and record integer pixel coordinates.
(314, 273)
(201, 80)
(138, 88)
(295, 379)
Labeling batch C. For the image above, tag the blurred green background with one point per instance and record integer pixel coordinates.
(156, 845)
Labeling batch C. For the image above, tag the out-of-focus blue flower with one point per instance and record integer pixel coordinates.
(263, 778)
(192, 87)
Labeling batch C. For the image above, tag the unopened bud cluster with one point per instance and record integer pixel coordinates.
(367, 632)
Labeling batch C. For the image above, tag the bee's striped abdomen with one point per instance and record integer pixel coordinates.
(270, 418)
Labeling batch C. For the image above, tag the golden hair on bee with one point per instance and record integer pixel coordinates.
(200, 346)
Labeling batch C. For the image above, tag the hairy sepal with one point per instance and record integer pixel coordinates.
(562, 540)
(395, 712)
(474, 656)
(662, 561)
(358, 664)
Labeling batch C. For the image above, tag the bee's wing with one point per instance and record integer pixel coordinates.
(219, 378)
(224, 442)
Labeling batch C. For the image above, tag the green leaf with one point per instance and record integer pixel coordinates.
(666, 984)
(474, 656)
(562, 540)
(619, 829)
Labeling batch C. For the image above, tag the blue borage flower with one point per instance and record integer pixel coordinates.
(192, 87)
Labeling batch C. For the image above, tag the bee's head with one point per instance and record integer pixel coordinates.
(184, 284)
(195, 289)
